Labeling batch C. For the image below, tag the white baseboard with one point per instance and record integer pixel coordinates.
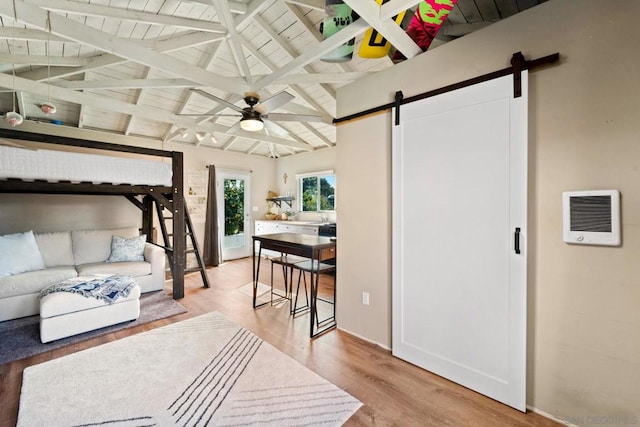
(364, 338)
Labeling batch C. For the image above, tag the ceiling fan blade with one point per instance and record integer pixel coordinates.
(273, 128)
(218, 100)
(209, 115)
(281, 117)
(273, 102)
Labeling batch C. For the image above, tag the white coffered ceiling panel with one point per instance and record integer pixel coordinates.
(130, 67)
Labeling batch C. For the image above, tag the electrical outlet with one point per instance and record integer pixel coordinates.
(365, 298)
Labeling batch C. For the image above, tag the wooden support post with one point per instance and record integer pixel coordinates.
(177, 212)
(147, 217)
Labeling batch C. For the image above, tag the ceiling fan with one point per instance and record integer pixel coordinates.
(256, 116)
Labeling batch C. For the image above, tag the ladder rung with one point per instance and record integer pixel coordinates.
(185, 234)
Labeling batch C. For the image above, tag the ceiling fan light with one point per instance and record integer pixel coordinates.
(13, 118)
(252, 124)
(48, 108)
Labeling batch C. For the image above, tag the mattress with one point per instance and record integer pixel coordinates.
(53, 166)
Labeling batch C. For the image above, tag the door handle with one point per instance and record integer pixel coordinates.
(516, 241)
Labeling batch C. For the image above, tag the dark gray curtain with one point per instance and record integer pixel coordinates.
(211, 239)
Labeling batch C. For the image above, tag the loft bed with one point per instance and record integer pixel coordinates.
(43, 171)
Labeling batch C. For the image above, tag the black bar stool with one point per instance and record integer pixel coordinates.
(287, 262)
(315, 269)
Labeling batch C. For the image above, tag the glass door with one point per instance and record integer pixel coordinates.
(233, 214)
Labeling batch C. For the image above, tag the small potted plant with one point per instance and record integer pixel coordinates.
(289, 214)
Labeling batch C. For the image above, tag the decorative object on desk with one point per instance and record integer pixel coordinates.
(227, 376)
(289, 214)
(271, 216)
(20, 338)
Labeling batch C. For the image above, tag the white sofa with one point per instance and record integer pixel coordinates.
(77, 253)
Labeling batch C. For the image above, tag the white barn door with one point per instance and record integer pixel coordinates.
(459, 200)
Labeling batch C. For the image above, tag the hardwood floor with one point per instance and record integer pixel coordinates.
(393, 392)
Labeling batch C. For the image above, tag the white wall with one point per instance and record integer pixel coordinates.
(584, 122)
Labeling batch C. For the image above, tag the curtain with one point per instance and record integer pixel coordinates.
(211, 240)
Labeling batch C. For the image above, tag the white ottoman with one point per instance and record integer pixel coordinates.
(63, 314)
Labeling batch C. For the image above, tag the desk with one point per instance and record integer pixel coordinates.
(313, 247)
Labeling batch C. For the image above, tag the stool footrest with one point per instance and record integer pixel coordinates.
(312, 265)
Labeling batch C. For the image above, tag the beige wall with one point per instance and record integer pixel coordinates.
(584, 127)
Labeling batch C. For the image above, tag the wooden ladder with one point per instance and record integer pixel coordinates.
(189, 234)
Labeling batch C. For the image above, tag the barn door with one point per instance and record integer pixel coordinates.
(459, 246)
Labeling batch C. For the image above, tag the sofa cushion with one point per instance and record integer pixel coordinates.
(55, 248)
(34, 281)
(127, 250)
(19, 253)
(91, 246)
(134, 269)
(60, 303)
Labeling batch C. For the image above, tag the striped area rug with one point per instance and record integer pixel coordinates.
(202, 371)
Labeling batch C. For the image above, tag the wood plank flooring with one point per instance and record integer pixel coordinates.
(393, 392)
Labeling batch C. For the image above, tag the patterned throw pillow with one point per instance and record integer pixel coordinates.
(127, 250)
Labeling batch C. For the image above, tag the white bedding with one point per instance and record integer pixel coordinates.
(55, 166)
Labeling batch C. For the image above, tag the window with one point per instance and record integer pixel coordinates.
(317, 191)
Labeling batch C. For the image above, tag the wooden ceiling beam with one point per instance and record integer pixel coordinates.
(86, 9)
(370, 11)
(393, 7)
(125, 84)
(291, 106)
(354, 29)
(311, 4)
(43, 60)
(235, 44)
(85, 35)
(151, 113)
(185, 83)
(235, 6)
(315, 33)
(289, 51)
(28, 34)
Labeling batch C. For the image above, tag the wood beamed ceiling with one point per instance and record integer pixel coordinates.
(143, 68)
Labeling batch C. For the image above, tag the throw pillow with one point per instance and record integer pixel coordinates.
(127, 250)
(19, 253)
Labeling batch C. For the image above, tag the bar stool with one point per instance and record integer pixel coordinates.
(287, 262)
(315, 269)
